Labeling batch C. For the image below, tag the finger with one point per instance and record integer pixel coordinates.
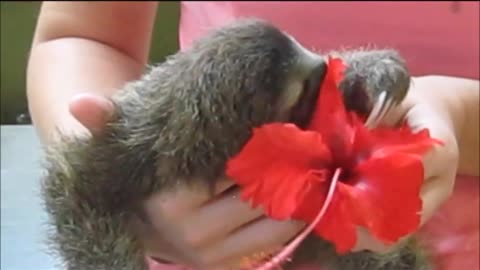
(208, 225)
(92, 111)
(163, 234)
(193, 224)
(249, 261)
(262, 235)
(222, 185)
(216, 220)
(175, 204)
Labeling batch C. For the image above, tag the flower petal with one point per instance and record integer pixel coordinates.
(330, 117)
(402, 140)
(385, 195)
(337, 225)
(285, 170)
(276, 165)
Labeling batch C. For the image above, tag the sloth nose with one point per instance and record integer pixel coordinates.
(303, 109)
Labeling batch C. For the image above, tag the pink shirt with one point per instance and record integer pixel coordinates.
(434, 37)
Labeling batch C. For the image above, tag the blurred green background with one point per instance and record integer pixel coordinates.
(17, 25)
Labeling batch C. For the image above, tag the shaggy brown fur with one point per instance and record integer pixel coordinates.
(182, 121)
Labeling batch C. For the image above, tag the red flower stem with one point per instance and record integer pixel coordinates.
(290, 248)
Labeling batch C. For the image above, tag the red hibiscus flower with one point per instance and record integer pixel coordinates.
(288, 171)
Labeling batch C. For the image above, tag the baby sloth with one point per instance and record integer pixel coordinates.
(180, 123)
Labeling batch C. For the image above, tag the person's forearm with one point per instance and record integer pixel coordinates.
(61, 68)
(84, 47)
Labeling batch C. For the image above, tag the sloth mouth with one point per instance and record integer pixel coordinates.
(301, 114)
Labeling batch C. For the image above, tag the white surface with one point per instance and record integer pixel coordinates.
(22, 215)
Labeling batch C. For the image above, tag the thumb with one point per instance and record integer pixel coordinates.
(92, 111)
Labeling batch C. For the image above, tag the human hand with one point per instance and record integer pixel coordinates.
(222, 231)
(219, 231)
(426, 106)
